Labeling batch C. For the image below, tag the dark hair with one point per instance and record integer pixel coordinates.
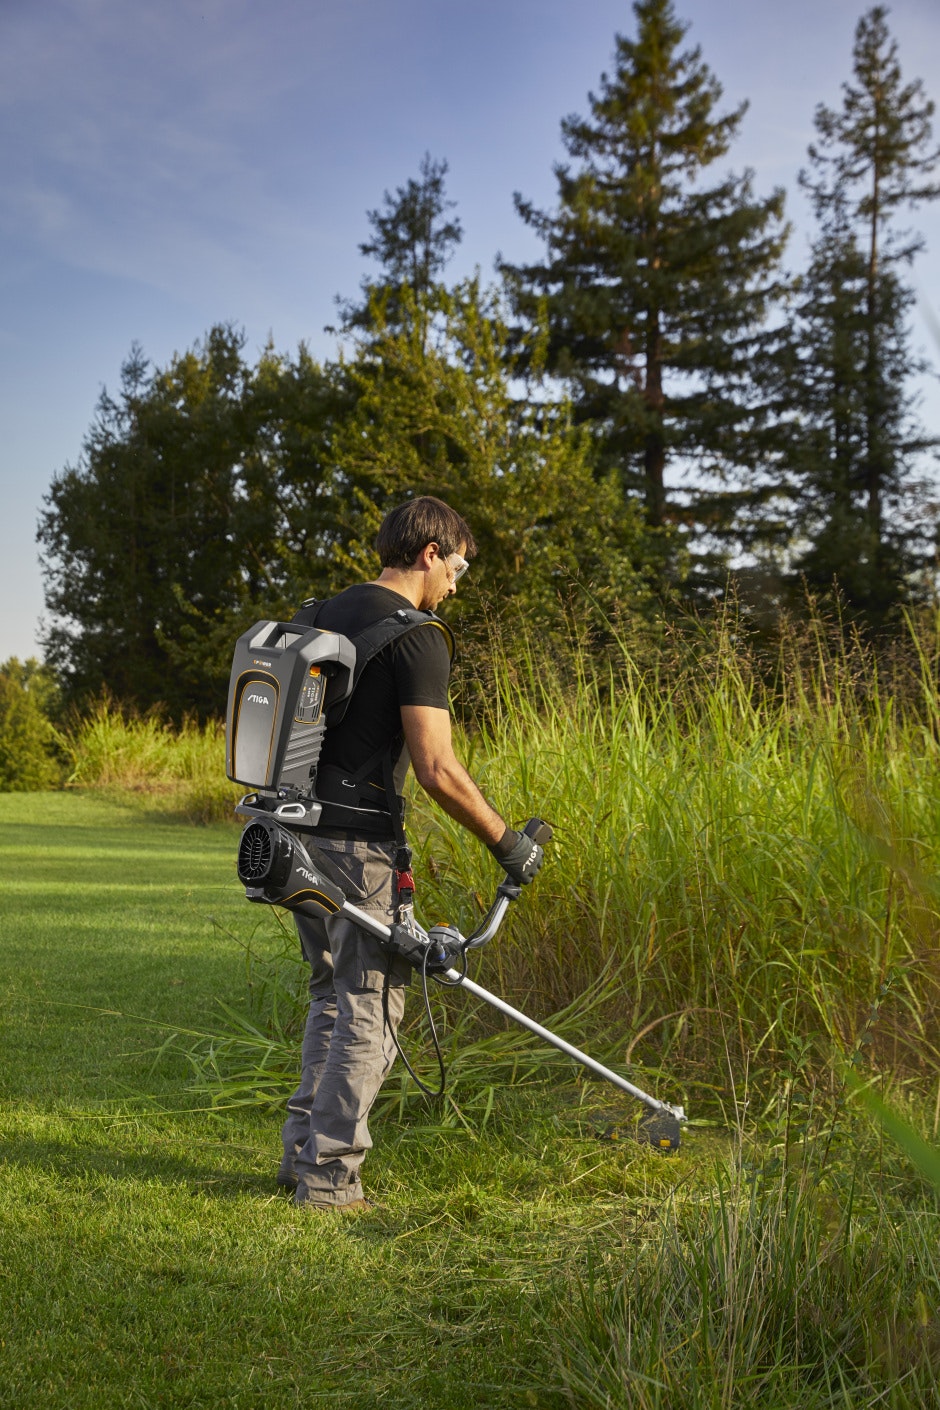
(407, 530)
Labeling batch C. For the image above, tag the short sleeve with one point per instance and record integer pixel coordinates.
(421, 662)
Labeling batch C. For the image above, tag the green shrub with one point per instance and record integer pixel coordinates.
(31, 750)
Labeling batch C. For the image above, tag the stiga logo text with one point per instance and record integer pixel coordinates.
(258, 699)
(309, 876)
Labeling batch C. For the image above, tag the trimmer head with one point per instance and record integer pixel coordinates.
(659, 1129)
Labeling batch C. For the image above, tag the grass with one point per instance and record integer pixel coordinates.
(182, 769)
(749, 861)
(757, 856)
(763, 1292)
(147, 1259)
(516, 1258)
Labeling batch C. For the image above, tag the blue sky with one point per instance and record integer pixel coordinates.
(167, 166)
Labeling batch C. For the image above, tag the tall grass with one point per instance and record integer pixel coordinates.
(753, 852)
(747, 855)
(806, 1281)
(117, 749)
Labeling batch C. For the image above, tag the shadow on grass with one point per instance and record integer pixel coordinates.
(61, 1162)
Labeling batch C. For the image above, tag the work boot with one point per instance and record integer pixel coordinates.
(286, 1176)
(331, 1207)
(316, 1197)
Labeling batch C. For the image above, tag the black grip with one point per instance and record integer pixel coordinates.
(539, 830)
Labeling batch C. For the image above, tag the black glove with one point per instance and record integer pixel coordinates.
(518, 855)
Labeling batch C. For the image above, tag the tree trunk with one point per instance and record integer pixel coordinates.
(654, 450)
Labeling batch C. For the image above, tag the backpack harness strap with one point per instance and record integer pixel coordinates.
(368, 644)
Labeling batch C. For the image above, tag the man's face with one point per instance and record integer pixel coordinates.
(442, 579)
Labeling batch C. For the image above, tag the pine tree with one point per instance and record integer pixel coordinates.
(852, 436)
(413, 240)
(656, 285)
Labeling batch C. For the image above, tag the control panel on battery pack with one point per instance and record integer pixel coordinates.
(309, 704)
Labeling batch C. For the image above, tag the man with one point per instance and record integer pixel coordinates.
(399, 710)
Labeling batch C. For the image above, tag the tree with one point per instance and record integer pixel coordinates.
(205, 498)
(442, 419)
(413, 240)
(150, 522)
(31, 752)
(293, 509)
(851, 434)
(655, 286)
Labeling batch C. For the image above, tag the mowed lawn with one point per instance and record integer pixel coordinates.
(146, 1258)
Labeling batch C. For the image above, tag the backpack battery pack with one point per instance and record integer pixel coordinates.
(284, 679)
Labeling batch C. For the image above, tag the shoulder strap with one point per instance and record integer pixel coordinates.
(371, 639)
(369, 642)
(306, 614)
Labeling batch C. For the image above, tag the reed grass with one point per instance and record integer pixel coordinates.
(809, 1281)
(120, 750)
(753, 851)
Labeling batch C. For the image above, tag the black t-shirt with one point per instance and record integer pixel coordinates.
(414, 669)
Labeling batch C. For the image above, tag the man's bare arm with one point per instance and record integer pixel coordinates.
(441, 774)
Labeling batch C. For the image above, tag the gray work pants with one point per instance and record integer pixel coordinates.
(348, 1047)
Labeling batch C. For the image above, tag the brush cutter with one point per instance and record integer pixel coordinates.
(278, 869)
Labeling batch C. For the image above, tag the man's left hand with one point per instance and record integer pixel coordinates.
(518, 855)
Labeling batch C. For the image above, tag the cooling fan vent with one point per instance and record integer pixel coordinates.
(255, 854)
